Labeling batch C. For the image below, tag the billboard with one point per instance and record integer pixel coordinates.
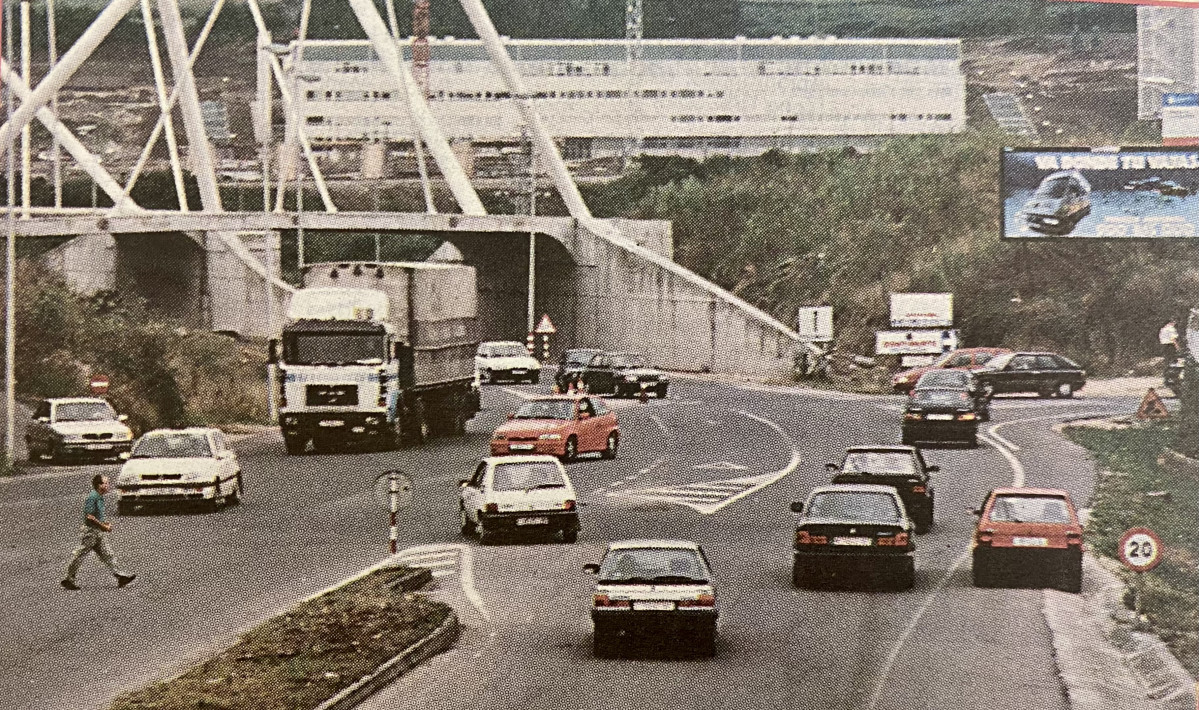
(914, 342)
(1142, 193)
(921, 310)
(1180, 119)
(814, 323)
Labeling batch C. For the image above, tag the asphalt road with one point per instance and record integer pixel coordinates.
(310, 521)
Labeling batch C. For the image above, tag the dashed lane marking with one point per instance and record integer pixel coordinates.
(720, 466)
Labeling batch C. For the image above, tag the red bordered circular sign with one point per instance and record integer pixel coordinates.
(1140, 549)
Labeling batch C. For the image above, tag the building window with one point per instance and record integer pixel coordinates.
(311, 95)
(315, 120)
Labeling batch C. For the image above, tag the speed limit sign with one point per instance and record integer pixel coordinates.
(1140, 549)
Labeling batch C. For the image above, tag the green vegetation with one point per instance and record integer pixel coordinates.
(301, 658)
(161, 375)
(1131, 493)
(920, 214)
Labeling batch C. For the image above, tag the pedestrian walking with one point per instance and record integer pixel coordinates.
(94, 537)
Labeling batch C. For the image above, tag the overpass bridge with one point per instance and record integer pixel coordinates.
(606, 283)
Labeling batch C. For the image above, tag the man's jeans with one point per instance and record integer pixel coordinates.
(92, 540)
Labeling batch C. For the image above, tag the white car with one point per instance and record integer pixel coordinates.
(664, 588)
(76, 427)
(180, 465)
(518, 494)
(506, 360)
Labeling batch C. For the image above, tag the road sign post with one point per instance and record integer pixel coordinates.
(394, 490)
(545, 328)
(99, 384)
(1140, 550)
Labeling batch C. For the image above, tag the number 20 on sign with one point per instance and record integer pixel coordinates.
(1140, 549)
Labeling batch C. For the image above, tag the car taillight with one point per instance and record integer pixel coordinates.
(901, 540)
(913, 415)
(603, 601)
(984, 537)
(702, 601)
(967, 417)
(803, 537)
(897, 540)
(568, 505)
(963, 396)
(491, 508)
(919, 489)
(1073, 538)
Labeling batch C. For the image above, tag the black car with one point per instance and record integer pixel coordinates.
(902, 467)
(980, 396)
(623, 375)
(847, 531)
(1047, 374)
(571, 364)
(940, 414)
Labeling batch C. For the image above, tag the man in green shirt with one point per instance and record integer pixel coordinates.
(94, 536)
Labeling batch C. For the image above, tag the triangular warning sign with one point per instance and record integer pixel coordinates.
(1152, 407)
(546, 325)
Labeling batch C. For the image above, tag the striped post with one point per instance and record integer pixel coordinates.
(531, 343)
(545, 347)
(393, 490)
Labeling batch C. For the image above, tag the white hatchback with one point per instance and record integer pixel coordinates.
(509, 495)
(180, 465)
(506, 360)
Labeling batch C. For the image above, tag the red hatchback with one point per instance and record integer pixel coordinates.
(1024, 530)
(963, 359)
(562, 425)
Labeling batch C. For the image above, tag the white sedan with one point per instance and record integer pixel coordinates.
(180, 465)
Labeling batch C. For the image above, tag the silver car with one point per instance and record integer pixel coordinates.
(78, 428)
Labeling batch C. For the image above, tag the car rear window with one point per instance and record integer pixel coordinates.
(855, 505)
(940, 396)
(653, 565)
(943, 378)
(1030, 509)
(526, 475)
(878, 462)
(982, 358)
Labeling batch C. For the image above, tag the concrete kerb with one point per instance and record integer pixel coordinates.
(1103, 662)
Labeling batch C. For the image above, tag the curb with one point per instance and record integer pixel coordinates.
(1102, 661)
(437, 642)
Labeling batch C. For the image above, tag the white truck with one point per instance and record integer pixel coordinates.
(377, 355)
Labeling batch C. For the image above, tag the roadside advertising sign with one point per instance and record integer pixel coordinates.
(1140, 549)
(1180, 119)
(814, 323)
(921, 310)
(914, 342)
(1109, 193)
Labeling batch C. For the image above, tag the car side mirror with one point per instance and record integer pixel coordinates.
(44, 420)
(462, 482)
(511, 416)
(122, 417)
(124, 455)
(584, 415)
(591, 567)
(797, 507)
(832, 467)
(272, 351)
(975, 511)
(933, 469)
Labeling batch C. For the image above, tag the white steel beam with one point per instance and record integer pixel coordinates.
(198, 148)
(55, 150)
(164, 106)
(389, 54)
(78, 151)
(66, 68)
(516, 86)
(27, 130)
(305, 144)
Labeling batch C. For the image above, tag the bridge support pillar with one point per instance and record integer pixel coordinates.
(237, 298)
(87, 262)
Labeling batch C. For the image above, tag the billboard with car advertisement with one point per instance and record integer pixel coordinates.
(914, 342)
(921, 310)
(1113, 193)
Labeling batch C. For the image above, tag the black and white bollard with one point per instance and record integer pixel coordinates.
(393, 494)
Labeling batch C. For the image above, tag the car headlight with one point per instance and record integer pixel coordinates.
(551, 437)
(630, 378)
(372, 420)
(123, 436)
(1051, 220)
(499, 437)
(71, 437)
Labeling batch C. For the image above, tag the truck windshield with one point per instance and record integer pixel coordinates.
(334, 348)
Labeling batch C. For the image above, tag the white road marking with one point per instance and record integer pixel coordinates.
(703, 498)
(1017, 467)
(657, 420)
(720, 466)
(444, 573)
(993, 431)
(711, 422)
(465, 569)
(597, 490)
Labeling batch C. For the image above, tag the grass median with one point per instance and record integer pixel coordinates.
(1133, 491)
(299, 659)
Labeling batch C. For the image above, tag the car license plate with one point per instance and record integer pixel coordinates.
(332, 423)
(520, 372)
(1030, 542)
(532, 521)
(520, 447)
(939, 417)
(653, 606)
(853, 541)
(98, 447)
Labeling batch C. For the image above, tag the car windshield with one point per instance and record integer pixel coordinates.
(172, 446)
(627, 360)
(1053, 189)
(546, 409)
(506, 350)
(334, 348)
(526, 476)
(580, 357)
(653, 565)
(878, 462)
(1030, 509)
(939, 396)
(855, 505)
(944, 378)
(84, 412)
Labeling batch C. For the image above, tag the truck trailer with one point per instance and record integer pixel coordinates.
(376, 355)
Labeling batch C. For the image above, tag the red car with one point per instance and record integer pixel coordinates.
(963, 359)
(1023, 530)
(562, 425)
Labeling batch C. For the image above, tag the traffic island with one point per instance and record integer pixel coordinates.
(329, 652)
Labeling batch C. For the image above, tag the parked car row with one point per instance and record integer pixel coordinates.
(1002, 371)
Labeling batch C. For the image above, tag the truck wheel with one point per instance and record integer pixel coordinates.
(613, 442)
(468, 528)
(571, 451)
(295, 445)
(415, 428)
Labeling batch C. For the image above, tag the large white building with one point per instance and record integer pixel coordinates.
(1167, 56)
(689, 97)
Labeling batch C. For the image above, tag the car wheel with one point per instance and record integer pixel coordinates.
(981, 574)
(705, 643)
(295, 445)
(906, 579)
(613, 442)
(124, 508)
(603, 645)
(218, 500)
(570, 536)
(464, 523)
(238, 493)
(486, 537)
(54, 454)
(906, 440)
(1071, 581)
(972, 442)
(799, 576)
(661, 391)
(923, 523)
(571, 450)
(1065, 390)
(31, 453)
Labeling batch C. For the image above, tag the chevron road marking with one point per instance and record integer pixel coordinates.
(446, 558)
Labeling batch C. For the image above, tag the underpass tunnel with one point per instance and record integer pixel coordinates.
(168, 271)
